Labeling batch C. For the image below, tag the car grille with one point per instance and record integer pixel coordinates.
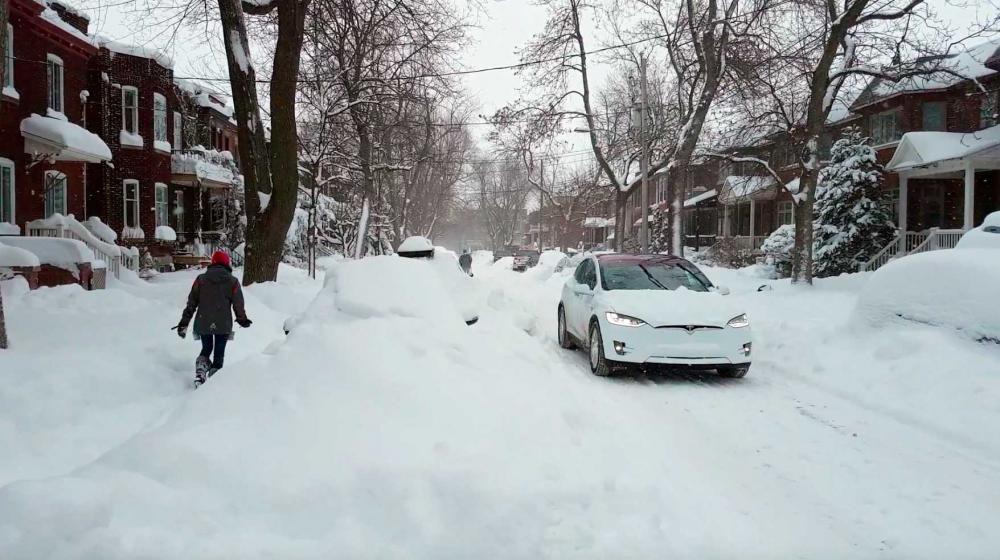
(690, 328)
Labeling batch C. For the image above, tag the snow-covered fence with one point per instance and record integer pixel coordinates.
(915, 242)
(67, 227)
(938, 239)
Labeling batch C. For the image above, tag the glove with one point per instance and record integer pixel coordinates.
(244, 322)
(181, 331)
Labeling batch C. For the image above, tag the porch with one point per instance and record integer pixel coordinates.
(948, 183)
(749, 210)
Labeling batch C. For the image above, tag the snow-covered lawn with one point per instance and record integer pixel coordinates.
(396, 433)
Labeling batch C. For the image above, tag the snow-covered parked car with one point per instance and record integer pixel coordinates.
(986, 236)
(445, 264)
(951, 289)
(651, 310)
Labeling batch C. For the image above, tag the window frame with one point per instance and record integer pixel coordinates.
(785, 208)
(943, 106)
(161, 208)
(64, 180)
(878, 127)
(988, 109)
(134, 109)
(8, 78)
(51, 63)
(125, 203)
(160, 118)
(178, 130)
(11, 194)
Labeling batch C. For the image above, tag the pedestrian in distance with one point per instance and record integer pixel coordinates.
(465, 261)
(216, 296)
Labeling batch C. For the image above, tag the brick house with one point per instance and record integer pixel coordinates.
(45, 148)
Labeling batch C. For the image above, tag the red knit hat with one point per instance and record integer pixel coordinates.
(219, 257)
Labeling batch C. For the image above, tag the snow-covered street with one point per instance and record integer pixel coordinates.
(390, 431)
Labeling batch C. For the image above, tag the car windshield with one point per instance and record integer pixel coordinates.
(652, 275)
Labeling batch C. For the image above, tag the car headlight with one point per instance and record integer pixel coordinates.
(739, 321)
(623, 320)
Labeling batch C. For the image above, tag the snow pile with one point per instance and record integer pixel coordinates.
(7, 228)
(101, 230)
(986, 236)
(68, 136)
(14, 256)
(162, 145)
(130, 139)
(133, 233)
(61, 253)
(58, 222)
(165, 233)
(950, 289)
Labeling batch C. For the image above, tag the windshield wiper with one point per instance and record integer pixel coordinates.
(651, 279)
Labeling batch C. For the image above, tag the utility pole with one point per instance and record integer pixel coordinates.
(644, 164)
(541, 206)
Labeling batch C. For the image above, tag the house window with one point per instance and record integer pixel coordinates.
(988, 109)
(131, 195)
(891, 202)
(8, 61)
(160, 202)
(886, 127)
(786, 213)
(179, 210)
(159, 118)
(55, 193)
(55, 81)
(935, 115)
(6, 190)
(130, 109)
(178, 129)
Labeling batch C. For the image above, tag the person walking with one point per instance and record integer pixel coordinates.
(465, 261)
(215, 295)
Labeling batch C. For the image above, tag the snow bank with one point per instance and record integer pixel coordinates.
(7, 228)
(15, 256)
(101, 230)
(951, 289)
(62, 253)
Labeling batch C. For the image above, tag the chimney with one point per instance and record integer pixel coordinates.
(77, 19)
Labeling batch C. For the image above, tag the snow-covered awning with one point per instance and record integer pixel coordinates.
(595, 222)
(934, 151)
(705, 196)
(199, 166)
(62, 140)
(739, 187)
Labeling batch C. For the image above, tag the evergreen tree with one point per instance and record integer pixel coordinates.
(851, 225)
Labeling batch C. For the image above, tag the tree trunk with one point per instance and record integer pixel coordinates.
(3, 41)
(270, 179)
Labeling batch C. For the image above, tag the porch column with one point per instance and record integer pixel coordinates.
(902, 212)
(970, 195)
(753, 219)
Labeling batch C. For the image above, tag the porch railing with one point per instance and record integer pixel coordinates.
(748, 242)
(913, 242)
(67, 227)
(938, 239)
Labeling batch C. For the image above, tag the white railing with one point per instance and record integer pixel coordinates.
(67, 227)
(938, 239)
(748, 242)
(913, 243)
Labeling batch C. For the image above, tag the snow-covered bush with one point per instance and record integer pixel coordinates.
(851, 225)
(777, 248)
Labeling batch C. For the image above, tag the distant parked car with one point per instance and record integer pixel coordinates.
(986, 236)
(651, 310)
(525, 259)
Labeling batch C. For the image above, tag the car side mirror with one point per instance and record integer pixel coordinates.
(722, 290)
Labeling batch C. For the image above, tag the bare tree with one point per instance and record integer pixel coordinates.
(501, 191)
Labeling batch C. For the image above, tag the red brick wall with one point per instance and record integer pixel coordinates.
(34, 38)
(108, 73)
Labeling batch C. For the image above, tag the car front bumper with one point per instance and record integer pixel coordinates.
(699, 347)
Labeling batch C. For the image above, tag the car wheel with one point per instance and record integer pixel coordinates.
(599, 365)
(564, 339)
(734, 372)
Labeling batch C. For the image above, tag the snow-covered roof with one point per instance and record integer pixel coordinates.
(707, 195)
(918, 149)
(51, 16)
(743, 186)
(595, 222)
(965, 64)
(134, 50)
(63, 140)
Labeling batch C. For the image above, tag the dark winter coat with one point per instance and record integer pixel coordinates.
(465, 261)
(216, 295)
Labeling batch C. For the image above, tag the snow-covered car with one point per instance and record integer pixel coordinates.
(651, 310)
(445, 264)
(949, 289)
(525, 259)
(986, 236)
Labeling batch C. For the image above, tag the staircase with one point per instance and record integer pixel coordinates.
(911, 243)
(115, 257)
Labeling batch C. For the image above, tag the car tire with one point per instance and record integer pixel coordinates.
(734, 372)
(599, 365)
(564, 339)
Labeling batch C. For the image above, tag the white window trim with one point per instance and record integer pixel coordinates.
(134, 110)
(6, 163)
(157, 188)
(125, 202)
(8, 52)
(158, 97)
(65, 189)
(51, 58)
(178, 130)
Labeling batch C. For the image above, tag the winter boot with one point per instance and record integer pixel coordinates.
(201, 367)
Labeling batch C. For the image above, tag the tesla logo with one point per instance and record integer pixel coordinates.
(690, 329)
